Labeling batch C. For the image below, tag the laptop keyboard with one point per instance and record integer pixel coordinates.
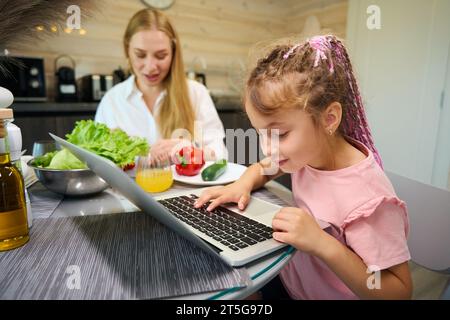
(225, 226)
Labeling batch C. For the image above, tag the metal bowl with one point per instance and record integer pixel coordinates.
(76, 182)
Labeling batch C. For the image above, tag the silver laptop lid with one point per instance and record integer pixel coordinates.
(119, 180)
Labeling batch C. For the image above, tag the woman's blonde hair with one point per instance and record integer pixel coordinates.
(176, 110)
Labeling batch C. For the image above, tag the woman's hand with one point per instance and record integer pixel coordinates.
(298, 228)
(236, 192)
(164, 150)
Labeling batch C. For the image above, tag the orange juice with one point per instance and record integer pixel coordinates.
(154, 180)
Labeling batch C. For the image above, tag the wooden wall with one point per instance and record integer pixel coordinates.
(220, 32)
(332, 15)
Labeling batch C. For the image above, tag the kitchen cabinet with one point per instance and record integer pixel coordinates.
(36, 120)
(234, 119)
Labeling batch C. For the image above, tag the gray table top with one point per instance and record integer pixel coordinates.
(111, 201)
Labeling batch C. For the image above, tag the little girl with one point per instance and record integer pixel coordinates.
(306, 98)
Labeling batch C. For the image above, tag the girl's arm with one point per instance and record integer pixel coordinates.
(258, 174)
(298, 228)
(395, 282)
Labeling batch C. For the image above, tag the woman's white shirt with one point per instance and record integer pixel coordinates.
(123, 107)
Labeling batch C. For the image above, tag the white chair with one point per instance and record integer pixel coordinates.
(429, 216)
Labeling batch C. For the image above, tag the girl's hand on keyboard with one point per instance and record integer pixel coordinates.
(235, 192)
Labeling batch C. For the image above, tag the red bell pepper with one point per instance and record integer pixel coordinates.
(128, 166)
(189, 161)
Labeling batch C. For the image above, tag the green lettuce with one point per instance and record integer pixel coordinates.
(115, 145)
(65, 160)
(44, 160)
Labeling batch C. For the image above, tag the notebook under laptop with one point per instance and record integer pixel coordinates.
(198, 226)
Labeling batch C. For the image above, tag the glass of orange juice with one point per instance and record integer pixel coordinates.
(153, 176)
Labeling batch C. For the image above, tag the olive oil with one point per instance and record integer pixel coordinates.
(13, 212)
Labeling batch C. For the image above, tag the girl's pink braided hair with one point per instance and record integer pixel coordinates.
(355, 125)
(313, 74)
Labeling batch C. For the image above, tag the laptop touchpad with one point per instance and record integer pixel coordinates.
(259, 209)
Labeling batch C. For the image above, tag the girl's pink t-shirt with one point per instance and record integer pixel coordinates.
(361, 205)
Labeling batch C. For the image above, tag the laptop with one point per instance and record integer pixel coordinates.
(237, 237)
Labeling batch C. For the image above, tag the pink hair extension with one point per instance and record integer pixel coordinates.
(355, 125)
(321, 45)
(291, 50)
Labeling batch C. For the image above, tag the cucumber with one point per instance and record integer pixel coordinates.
(215, 170)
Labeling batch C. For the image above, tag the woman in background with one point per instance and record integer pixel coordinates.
(157, 99)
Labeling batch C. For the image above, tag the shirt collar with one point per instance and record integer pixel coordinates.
(132, 89)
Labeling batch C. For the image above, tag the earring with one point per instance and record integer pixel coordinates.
(330, 132)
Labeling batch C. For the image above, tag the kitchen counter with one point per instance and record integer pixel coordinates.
(222, 103)
(54, 107)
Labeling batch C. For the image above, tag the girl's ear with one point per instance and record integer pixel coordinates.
(331, 117)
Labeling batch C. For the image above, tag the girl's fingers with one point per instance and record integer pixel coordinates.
(282, 215)
(205, 197)
(202, 200)
(243, 201)
(281, 225)
(281, 237)
(286, 213)
(217, 202)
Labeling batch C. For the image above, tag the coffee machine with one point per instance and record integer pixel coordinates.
(94, 86)
(66, 87)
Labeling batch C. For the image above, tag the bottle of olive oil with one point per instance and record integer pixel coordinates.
(13, 212)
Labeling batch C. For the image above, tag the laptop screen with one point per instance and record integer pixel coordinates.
(119, 180)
